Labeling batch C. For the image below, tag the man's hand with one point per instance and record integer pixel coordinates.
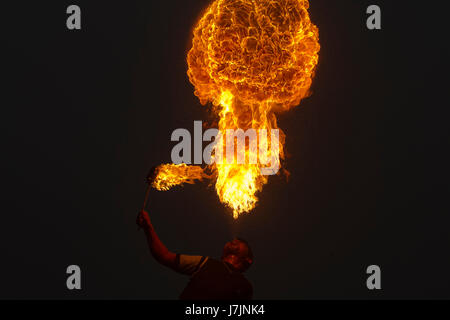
(143, 220)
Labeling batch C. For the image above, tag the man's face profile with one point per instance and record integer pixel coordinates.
(238, 253)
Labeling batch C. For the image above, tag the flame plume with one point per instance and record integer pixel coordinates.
(249, 58)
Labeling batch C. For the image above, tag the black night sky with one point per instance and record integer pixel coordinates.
(86, 113)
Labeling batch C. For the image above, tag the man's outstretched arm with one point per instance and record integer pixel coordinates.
(157, 248)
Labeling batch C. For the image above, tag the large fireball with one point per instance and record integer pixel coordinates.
(259, 51)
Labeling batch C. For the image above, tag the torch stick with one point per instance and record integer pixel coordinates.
(149, 180)
(147, 193)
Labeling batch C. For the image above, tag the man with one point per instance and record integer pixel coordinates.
(210, 279)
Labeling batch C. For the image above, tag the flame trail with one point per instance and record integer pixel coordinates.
(249, 58)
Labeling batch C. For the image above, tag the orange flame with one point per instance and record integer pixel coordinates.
(170, 175)
(249, 58)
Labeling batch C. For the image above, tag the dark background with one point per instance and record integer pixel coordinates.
(86, 113)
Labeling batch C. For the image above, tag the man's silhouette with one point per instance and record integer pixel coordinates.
(210, 278)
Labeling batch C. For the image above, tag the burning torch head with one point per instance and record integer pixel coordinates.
(238, 253)
(151, 176)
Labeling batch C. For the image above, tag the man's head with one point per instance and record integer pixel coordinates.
(238, 253)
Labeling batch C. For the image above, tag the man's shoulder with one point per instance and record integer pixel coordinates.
(189, 264)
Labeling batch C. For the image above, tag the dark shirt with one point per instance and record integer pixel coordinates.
(212, 279)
